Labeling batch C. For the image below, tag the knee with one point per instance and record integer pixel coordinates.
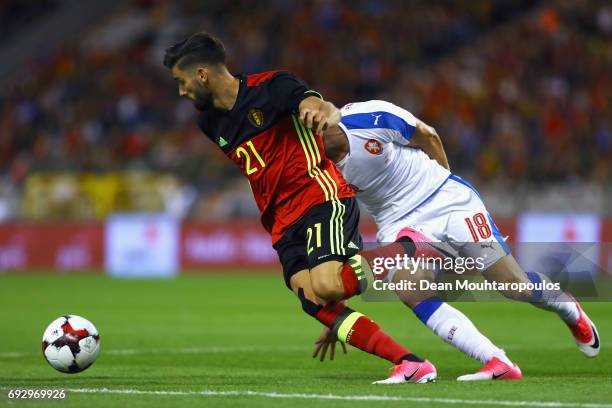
(413, 297)
(508, 272)
(326, 286)
(523, 294)
(310, 304)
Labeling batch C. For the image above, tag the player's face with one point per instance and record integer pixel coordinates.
(192, 85)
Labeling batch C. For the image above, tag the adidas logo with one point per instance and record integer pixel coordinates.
(222, 142)
(352, 245)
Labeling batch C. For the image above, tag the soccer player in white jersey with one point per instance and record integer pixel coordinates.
(398, 167)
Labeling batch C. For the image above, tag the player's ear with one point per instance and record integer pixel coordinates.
(202, 74)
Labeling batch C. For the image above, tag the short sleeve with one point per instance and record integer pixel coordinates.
(383, 120)
(400, 123)
(287, 91)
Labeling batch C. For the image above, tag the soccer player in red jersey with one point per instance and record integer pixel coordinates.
(270, 125)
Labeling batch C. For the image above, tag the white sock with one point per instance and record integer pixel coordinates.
(455, 328)
(554, 300)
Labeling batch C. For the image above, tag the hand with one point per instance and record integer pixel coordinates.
(327, 339)
(314, 119)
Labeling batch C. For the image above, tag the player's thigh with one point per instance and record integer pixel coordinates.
(326, 280)
(292, 255)
(300, 285)
(300, 282)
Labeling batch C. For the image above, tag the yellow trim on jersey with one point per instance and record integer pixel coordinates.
(311, 173)
(314, 142)
(312, 91)
(327, 184)
(332, 225)
(336, 224)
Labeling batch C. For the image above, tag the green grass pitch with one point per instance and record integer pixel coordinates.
(242, 340)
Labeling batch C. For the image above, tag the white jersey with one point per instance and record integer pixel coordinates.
(391, 179)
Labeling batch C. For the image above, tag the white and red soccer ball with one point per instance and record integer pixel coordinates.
(71, 344)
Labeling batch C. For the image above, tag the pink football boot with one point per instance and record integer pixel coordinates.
(495, 369)
(411, 372)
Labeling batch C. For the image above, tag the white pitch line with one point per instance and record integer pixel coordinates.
(170, 350)
(248, 349)
(14, 354)
(197, 350)
(212, 393)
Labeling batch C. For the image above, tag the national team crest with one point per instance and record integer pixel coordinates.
(373, 146)
(256, 117)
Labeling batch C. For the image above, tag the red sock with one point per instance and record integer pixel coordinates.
(359, 331)
(350, 282)
(350, 277)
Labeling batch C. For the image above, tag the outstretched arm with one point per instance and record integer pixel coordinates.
(426, 138)
(317, 114)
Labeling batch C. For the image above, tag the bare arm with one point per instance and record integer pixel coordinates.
(317, 114)
(426, 138)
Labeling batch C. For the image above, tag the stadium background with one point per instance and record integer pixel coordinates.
(102, 167)
(91, 124)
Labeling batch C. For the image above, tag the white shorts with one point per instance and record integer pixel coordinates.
(454, 215)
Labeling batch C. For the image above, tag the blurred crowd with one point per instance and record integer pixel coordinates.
(519, 91)
(15, 15)
(532, 102)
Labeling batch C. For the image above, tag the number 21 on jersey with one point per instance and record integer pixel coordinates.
(250, 166)
(317, 233)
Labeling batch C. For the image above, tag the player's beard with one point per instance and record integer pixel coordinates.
(203, 99)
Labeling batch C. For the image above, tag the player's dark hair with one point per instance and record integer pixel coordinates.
(202, 48)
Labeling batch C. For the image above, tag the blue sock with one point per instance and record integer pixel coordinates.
(426, 308)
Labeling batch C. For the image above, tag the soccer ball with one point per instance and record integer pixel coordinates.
(71, 344)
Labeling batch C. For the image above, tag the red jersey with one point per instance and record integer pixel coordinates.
(284, 162)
